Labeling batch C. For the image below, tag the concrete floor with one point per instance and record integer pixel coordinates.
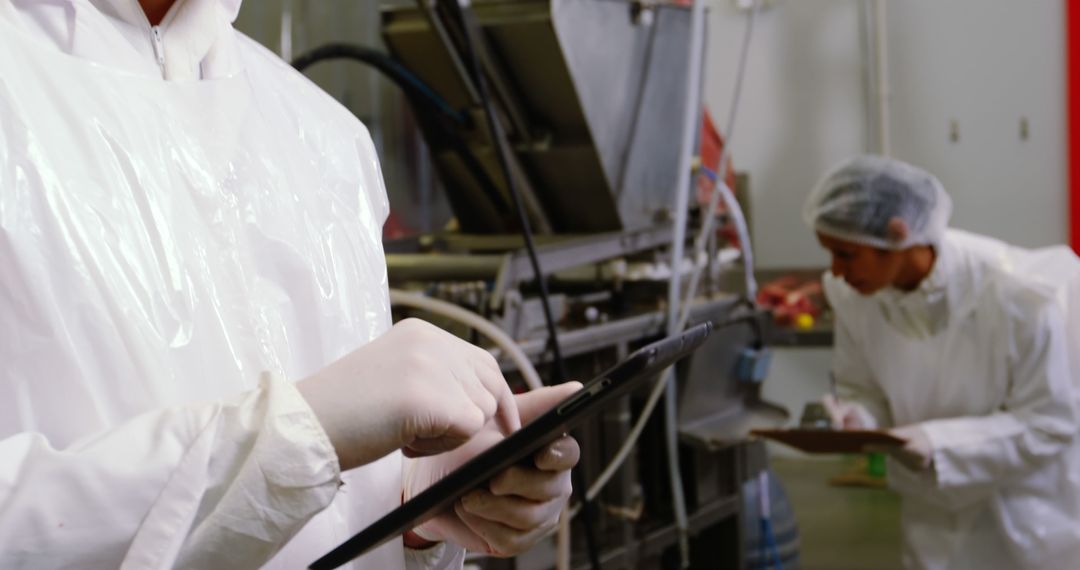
(842, 528)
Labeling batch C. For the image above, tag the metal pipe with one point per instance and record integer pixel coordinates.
(691, 112)
(866, 40)
(883, 89)
(563, 546)
(503, 91)
(427, 7)
(424, 267)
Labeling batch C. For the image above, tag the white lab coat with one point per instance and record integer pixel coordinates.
(978, 356)
(163, 246)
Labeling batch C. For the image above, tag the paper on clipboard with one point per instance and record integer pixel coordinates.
(830, 441)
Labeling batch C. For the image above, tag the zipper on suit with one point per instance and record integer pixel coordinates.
(159, 47)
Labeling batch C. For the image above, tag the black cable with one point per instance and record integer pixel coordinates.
(389, 66)
(752, 319)
(422, 98)
(631, 138)
(470, 40)
(497, 136)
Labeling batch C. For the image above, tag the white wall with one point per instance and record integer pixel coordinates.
(983, 63)
(802, 110)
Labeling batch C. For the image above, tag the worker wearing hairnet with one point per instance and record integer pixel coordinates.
(961, 345)
(187, 226)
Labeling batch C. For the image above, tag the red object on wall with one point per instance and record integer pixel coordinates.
(1072, 63)
(710, 150)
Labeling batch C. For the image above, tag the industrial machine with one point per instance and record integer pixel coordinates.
(557, 128)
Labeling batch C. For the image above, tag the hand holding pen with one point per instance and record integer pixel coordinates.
(844, 414)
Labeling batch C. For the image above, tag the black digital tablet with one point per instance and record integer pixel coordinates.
(640, 366)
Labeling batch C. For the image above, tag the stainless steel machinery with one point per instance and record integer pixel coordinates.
(585, 105)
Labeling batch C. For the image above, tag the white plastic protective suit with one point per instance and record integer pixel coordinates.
(979, 358)
(163, 246)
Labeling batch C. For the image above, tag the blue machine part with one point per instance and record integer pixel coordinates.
(753, 365)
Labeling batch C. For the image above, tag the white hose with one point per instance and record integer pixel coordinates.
(631, 440)
(471, 319)
(721, 191)
(743, 231)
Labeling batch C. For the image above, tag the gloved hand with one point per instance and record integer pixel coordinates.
(846, 414)
(417, 388)
(519, 506)
(918, 453)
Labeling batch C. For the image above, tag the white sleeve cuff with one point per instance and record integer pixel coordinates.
(271, 467)
(443, 556)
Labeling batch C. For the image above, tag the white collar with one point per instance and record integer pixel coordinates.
(196, 39)
(924, 311)
(188, 32)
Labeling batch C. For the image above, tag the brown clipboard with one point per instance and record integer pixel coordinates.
(830, 441)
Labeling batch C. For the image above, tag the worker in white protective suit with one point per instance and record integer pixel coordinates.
(187, 226)
(961, 345)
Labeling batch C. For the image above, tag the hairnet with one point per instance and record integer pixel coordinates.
(857, 199)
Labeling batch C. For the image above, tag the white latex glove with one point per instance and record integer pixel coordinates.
(917, 453)
(519, 507)
(846, 414)
(417, 388)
